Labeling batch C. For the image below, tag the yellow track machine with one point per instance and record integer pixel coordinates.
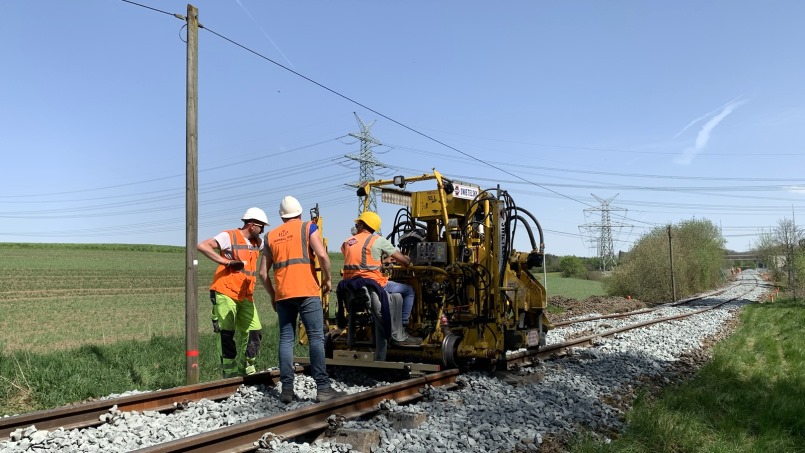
(475, 297)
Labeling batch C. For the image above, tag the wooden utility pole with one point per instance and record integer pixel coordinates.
(793, 264)
(191, 201)
(671, 254)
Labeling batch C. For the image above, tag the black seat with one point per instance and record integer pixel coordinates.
(355, 309)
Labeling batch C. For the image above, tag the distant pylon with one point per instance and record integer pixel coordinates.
(601, 233)
(366, 160)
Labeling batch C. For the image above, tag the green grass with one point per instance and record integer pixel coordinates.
(573, 288)
(64, 297)
(749, 398)
(83, 321)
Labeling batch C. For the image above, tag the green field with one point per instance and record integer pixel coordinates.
(82, 321)
(61, 296)
(573, 288)
(749, 398)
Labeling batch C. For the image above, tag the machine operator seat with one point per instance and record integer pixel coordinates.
(361, 300)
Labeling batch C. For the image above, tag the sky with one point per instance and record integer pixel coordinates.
(648, 113)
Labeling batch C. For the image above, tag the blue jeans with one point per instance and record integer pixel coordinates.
(310, 310)
(407, 292)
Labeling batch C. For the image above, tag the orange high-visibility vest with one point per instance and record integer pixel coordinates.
(358, 259)
(239, 285)
(294, 269)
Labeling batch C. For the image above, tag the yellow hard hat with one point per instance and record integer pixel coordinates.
(371, 219)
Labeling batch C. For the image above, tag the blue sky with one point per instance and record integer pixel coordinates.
(669, 110)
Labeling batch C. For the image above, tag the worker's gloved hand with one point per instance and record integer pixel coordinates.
(215, 326)
(235, 265)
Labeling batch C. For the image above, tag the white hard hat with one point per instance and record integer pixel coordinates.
(255, 214)
(290, 207)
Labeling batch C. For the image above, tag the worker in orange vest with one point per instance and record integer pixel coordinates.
(234, 316)
(296, 292)
(363, 257)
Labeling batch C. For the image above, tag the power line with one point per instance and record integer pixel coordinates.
(492, 164)
(601, 173)
(179, 16)
(405, 126)
(487, 163)
(617, 150)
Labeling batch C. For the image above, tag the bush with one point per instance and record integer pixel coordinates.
(572, 266)
(698, 251)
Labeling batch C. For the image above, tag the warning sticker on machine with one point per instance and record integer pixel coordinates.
(468, 192)
(533, 338)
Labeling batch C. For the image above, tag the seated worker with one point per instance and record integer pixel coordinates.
(363, 257)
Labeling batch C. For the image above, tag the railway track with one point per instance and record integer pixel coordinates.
(308, 420)
(640, 311)
(525, 358)
(240, 437)
(90, 414)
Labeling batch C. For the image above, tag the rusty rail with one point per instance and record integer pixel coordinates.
(640, 311)
(242, 437)
(86, 415)
(525, 358)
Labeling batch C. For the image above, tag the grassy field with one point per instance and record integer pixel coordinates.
(749, 398)
(571, 287)
(81, 321)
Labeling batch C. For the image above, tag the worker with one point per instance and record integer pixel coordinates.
(296, 292)
(364, 253)
(234, 316)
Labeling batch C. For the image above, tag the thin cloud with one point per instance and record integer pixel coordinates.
(703, 137)
(800, 190)
(266, 34)
(706, 115)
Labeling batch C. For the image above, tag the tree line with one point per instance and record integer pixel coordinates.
(697, 250)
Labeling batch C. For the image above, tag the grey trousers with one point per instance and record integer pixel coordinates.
(398, 332)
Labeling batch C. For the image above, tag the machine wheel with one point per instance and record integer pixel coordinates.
(450, 351)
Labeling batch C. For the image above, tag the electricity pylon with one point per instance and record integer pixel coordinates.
(366, 160)
(601, 233)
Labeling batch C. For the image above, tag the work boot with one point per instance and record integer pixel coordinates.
(410, 332)
(286, 396)
(328, 394)
(409, 341)
(250, 368)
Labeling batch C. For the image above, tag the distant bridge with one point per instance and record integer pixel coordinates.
(737, 257)
(743, 256)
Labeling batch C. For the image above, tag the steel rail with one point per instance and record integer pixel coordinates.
(527, 357)
(640, 311)
(86, 415)
(242, 437)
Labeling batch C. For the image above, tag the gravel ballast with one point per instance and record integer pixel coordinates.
(588, 390)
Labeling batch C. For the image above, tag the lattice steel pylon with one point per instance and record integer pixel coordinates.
(601, 233)
(366, 160)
